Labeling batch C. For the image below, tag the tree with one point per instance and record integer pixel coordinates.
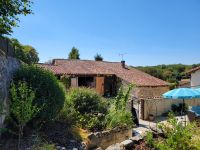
(9, 12)
(25, 53)
(22, 107)
(98, 57)
(49, 93)
(74, 54)
(31, 55)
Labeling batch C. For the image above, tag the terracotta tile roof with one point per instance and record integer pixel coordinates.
(193, 70)
(89, 67)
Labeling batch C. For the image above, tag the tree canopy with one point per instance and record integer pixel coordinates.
(98, 57)
(25, 53)
(74, 54)
(170, 73)
(9, 12)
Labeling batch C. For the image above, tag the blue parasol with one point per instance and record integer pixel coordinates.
(182, 93)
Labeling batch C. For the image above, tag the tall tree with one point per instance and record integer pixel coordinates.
(25, 53)
(9, 12)
(74, 54)
(98, 57)
(31, 54)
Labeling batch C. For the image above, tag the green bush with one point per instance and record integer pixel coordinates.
(118, 116)
(84, 100)
(68, 114)
(86, 108)
(149, 139)
(21, 107)
(176, 136)
(48, 92)
(66, 81)
(92, 122)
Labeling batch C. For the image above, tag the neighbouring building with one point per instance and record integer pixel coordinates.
(195, 77)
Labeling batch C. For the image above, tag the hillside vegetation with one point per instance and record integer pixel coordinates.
(170, 73)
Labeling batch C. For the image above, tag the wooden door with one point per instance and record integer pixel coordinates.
(100, 85)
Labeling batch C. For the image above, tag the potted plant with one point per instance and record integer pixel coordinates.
(151, 117)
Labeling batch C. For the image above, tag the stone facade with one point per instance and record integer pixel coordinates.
(149, 92)
(8, 64)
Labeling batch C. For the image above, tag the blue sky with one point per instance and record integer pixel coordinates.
(150, 32)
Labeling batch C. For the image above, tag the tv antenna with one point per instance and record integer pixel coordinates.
(122, 55)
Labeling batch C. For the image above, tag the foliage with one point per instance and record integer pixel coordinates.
(91, 122)
(10, 10)
(86, 108)
(48, 92)
(149, 139)
(98, 57)
(122, 97)
(84, 100)
(66, 80)
(171, 73)
(177, 136)
(68, 114)
(118, 116)
(178, 109)
(74, 54)
(25, 53)
(22, 107)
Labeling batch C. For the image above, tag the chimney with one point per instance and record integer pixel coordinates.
(123, 64)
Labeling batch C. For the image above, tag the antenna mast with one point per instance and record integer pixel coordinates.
(122, 55)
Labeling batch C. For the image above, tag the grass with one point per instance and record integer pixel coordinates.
(80, 133)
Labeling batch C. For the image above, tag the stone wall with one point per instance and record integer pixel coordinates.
(160, 106)
(5, 48)
(106, 138)
(8, 65)
(150, 92)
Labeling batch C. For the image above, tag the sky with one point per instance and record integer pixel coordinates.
(148, 32)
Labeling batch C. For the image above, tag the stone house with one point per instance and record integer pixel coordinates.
(106, 76)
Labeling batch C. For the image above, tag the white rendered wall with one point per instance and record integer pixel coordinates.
(195, 79)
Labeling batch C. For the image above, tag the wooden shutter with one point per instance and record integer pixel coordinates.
(100, 85)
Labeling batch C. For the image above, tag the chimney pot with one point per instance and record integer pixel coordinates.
(123, 64)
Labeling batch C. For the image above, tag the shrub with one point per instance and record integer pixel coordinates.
(92, 122)
(178, 109)
(66, 81)
(22, 107)
(68, 114)
(85, 107)
(118, 116)
(177, 136)
(149, 139)
(48, 92)
(84, 100)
